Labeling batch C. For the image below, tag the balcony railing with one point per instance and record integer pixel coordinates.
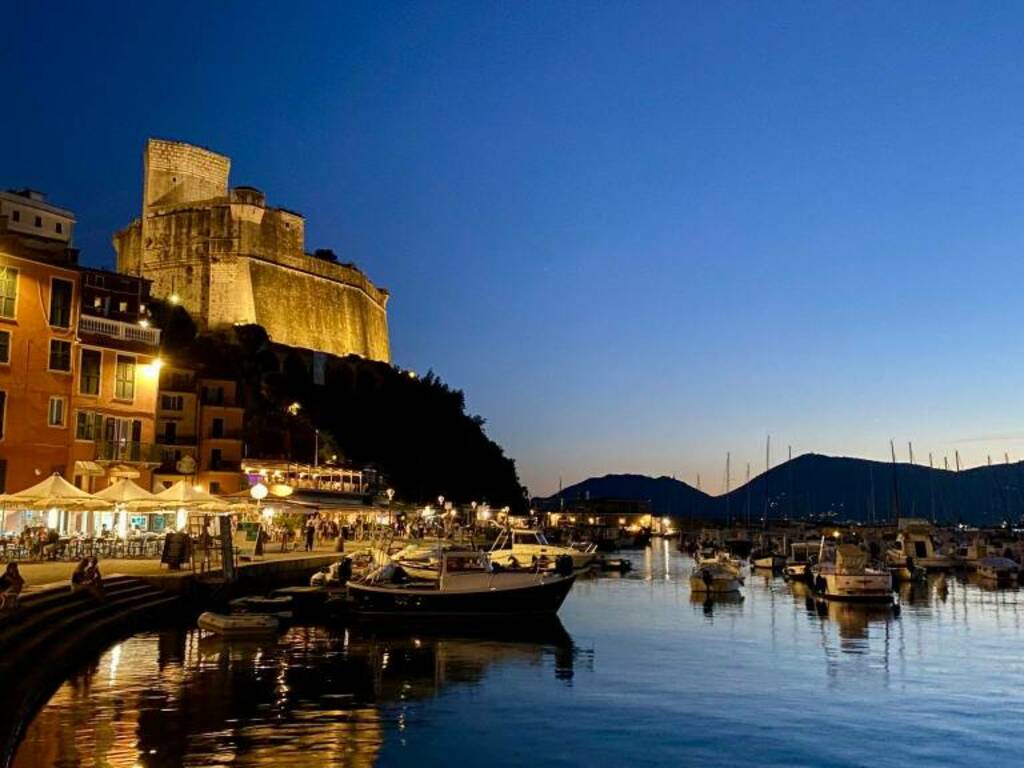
(117, 450)
(117, 329)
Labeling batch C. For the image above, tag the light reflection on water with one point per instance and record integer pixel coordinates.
(637, 672)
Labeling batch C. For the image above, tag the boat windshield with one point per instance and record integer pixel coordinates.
(529, 537)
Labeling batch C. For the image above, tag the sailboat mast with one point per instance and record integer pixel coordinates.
(931, 483)
(767, 466)
(728, 513)
(895, 485)
(748, 494)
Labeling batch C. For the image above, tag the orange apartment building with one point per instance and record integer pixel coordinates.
(199, 432)
(78, 366)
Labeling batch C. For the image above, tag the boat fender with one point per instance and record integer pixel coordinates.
(513, 562)
(345, 570)
(563, 565)
(821, 585)
(707, 577)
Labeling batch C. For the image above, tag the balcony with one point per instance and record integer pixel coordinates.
(117, 450)
(117, 329)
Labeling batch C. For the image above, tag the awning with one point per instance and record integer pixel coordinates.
(124, 471)
(89, 469)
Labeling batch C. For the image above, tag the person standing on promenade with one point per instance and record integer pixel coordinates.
(310, 533)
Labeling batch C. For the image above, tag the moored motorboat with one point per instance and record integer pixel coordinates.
(801, 558)
(914, 548)
(997, 570)
(715, 579)
(468, 585)
(528, 548)
(239, 624)
(769, 562)
(849, 578)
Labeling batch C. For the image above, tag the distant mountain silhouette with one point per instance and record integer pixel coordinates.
(667, 495)
(815, 486)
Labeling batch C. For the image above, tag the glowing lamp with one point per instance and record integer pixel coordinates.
(258, 491)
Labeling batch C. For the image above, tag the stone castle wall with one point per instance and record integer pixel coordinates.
(174, 173)
(228, 258)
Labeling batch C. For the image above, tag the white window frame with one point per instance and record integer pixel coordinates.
(71, 356)
(63, 412)
(17, 292)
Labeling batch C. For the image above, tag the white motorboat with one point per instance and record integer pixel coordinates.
(467, 585)
(798, 564)
(769, 562)
(970, 554)
(997, 570)
(915, 548)
(238, 624)
(720, 558)
(524, 548)
(714, 578)
(849, 578)
(423, 560)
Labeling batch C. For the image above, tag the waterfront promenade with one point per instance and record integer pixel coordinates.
(46, 574)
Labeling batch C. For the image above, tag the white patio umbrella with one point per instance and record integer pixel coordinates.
(183, 494)
(128, 493)
(55, 491)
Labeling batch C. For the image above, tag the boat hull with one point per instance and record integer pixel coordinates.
(543, 597)
(244, 625)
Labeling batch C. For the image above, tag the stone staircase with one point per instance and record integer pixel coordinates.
(52, 632)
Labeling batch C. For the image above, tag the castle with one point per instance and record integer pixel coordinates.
(228, 258)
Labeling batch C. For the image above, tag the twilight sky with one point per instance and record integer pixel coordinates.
(638, 235)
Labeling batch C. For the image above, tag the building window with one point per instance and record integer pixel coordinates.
(88, 426)
(8, 291)
(15, 215)
(60, 355)
(39, 221)
(215, 459)
(170, 432)
(89, 372)
(124, 378)
(122, 307)
(214, 487)
(59, 227)
(217, 428)
(60, 303)
(172, 403)
(5, 347)
(3, 414)
(56, 412)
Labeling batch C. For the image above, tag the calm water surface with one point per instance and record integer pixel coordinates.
(634, 673)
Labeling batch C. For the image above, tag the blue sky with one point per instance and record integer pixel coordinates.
(638, 235)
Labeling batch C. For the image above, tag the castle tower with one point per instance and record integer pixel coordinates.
(229, 258)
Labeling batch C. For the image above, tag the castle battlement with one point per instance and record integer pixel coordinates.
(229, 258)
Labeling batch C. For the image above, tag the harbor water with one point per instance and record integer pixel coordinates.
(635, 671)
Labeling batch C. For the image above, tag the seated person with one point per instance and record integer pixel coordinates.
(12, 583)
